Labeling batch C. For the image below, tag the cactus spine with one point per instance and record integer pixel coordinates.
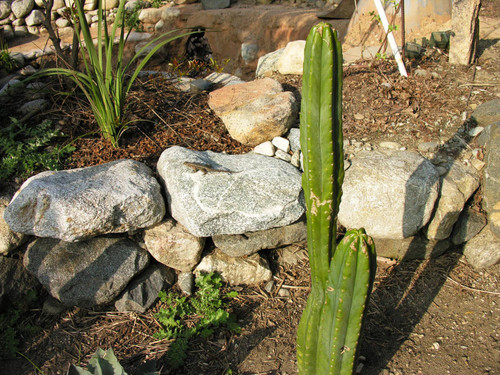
(341, 276)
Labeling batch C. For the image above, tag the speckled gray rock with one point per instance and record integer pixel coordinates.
(414, 247)
(36, 17)
(81, 203)
(390, 194)
(236, 194)
(468, 225)
(266, 65)
(9, 240)
(250, 270)
(491, 179)
(86, 273)
(143, 291)
(4, 9)
(487, 113)
(483, 251)
(21, 8)
(171, 244)
(15, 281)
(237, 245)
(457, 186)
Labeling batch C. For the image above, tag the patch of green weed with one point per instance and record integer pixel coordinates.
(207, 308)
(25, 149)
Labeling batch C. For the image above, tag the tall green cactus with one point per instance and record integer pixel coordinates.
(341, 276)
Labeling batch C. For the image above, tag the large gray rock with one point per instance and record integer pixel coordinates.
(86, 273)
(9, 240)
(465, 26)
(172, 244)
(4, 9)
(21, 8)
(211, 193)
(150, 15)
(143, 291)
(483, 251)
(254, 112)
(391, 195)
(237, 245)
(236, 271)
(291, 60)
(414, 247)
(487, 113)
(468, 225)
(491, 179)
(15, 281)
(81, 203)
(267, 64)
(36, 17)
(457, 186)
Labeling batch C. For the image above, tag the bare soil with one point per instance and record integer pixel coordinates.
(431, 317)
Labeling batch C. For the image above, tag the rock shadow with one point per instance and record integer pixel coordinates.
(405, 291)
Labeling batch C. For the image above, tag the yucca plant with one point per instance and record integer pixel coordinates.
(104, 85)
(341, 275)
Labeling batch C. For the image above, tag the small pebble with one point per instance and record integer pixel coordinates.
(295, 161)
(280, 154)
(266, 148)
(475, 131)
(390, 145)
(281, 143)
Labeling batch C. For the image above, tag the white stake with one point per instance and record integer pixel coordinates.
(390, 37)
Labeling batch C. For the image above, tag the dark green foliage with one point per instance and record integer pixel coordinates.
(25, 149)
(208, 308)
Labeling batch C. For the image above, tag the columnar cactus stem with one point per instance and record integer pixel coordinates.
(340, 278)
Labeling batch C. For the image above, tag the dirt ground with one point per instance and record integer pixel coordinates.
(429, 317)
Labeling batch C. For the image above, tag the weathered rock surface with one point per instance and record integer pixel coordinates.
(237, 245)
(483, 251)
(233, 194)
(414, 247)
(267, 64)
(81, 203)
(236, 271)
(491, 179)
(150, 15)
(15, 281)
(391, 195)
(457, 186)
(487, 113)
(21, 8)
(224, 79)
(465, 26)
(36, 17)
(172, 244)
(143, 291)
(254, 112)
(4, 9)
(291, 60)
(468, 225)
(9, 240)
(86, 273)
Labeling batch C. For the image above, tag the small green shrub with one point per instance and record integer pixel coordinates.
(12, 328)
(25, 149)
(208, 308)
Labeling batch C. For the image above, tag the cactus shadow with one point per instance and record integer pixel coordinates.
(404, 290)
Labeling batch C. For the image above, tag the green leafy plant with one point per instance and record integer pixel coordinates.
(208, 308)
(131, 20)
(106, 86)
(26, 148)
(341, 275)
(156, 3)
(13, 328)
(105, 363)
(6, 61)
